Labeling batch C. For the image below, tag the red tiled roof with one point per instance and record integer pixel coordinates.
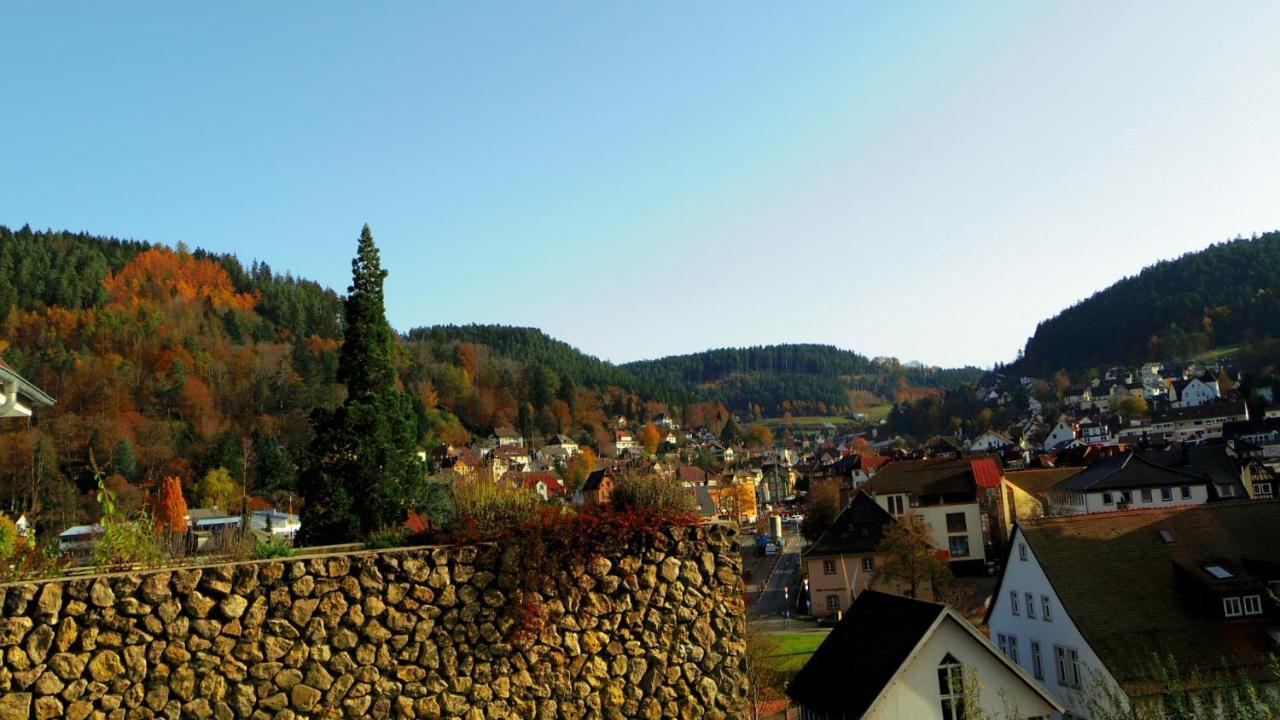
(985, 472)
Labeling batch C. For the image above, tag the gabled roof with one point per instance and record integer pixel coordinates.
(986, 473)
(595, 479)
(1221, 409)
(1124, 598)
(1038, 482)
(856, 663)
(1130, 470)
(938, 476)
(858, 529)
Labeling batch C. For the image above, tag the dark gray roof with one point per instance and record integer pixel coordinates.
(857, 529)
(851, 667)
(594, 479)
(1132, 470)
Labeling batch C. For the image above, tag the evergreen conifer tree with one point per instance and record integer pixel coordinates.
(363, 473)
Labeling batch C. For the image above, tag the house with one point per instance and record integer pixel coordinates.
(17, 395)
(990, 441)
(896, 657)
(79, 540)
(1031, 489)
(1201, 422)
(1077, 396)
(597, 488)
(1195, 391)
(623, 442)
(1094, 433)
(559, 449)
(1134, 479)
(943, 493)
(842, 562)
(1087, 602)
(506, 437)
(275, 524)
(546, 484)
(1062, 433)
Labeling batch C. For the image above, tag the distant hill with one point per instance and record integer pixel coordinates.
(798, 378)
(1227, 294)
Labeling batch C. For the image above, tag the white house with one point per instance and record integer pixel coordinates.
(990, 441)
(1061, 434)
(943, 493)
(1201, 422)
(1193, 392)
(1086, 602)
(895, 657)
(276, 524)
(1132, 480)
(79, 539)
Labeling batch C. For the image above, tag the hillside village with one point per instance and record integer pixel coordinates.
(1163, 476)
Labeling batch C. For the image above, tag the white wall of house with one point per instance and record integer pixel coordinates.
(914, 693)
(1065, 503)
(1062, 433)
(936, 517)
(987, 442)
(1025, 577)
(1197, 392)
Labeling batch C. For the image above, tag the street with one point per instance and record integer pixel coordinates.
(779, 576)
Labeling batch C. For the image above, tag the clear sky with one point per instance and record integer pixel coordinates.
(641, 179)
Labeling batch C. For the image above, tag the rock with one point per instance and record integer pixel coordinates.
(39, 642)
(303, 697)
(13, 630)
(15, 706)
(50, 602)
(105, 666)
(48, 707)
(233, 606)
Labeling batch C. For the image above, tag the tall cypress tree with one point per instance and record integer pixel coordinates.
(363, 473)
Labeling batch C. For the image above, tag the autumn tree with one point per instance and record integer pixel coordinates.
(911, 561)
(760, 436)
(170, 507)
(218, 489)
(364, 472)
(1133, 407)
(650, 438)
(575, 472)
(820, 509)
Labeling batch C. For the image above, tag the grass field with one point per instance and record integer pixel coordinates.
(794, 648)
(805, 421)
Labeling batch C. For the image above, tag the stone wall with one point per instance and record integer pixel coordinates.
(418, 632)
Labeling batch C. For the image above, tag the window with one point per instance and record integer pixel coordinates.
(895, 504)
(1022, 552)
(956, 523)
(1046, 608)
(1008, 645)
(1166, 494)
(1231, 607)
(868, 564)
(1013, 602)
(828, 567)
(1227, 490)
(1067, 663)
(833, 602)
(1252, 604)
(1186, 492)
(1031, 606)
(1146, 495)
(1037, 662)
(959, 545)
(1126, 496)
(1107, 499)
(1262, 489)
(951, 688)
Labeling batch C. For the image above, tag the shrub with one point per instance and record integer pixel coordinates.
(487, 509)
(8, 537)
(388, 538)
(644, 492)
(273, 548)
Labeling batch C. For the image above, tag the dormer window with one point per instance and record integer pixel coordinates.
(1252, 604)
(1232, 607)
(1218, 571)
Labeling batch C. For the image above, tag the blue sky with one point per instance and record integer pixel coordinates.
(923, 181)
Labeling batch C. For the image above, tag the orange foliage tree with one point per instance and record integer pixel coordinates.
(159, 274)
(171, 507)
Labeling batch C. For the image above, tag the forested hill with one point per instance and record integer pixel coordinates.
(799, 378)
(533, 347)
(1225, 295)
